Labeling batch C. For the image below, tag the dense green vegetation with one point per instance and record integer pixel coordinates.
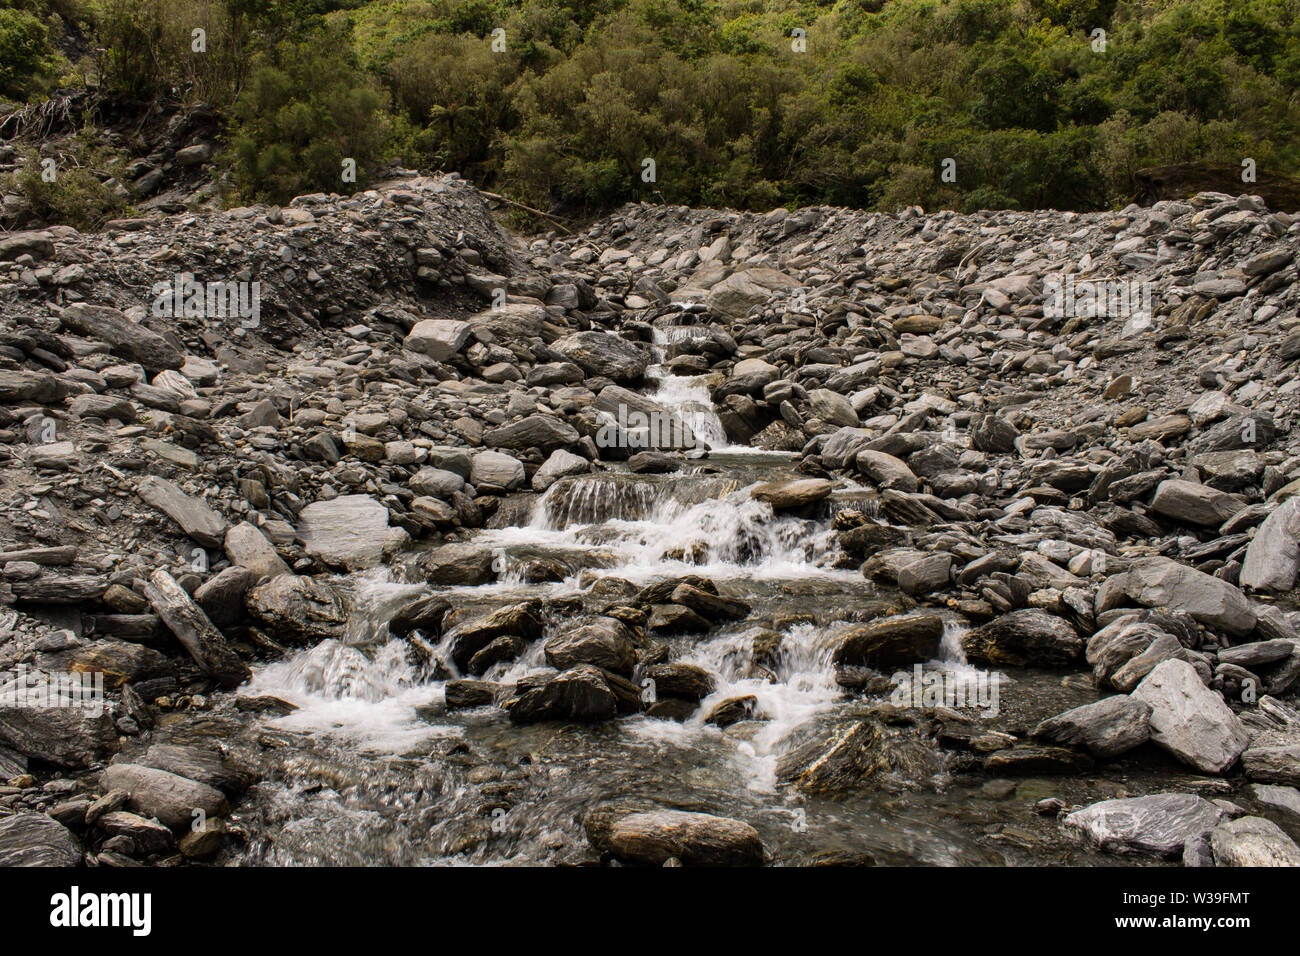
(714, 91)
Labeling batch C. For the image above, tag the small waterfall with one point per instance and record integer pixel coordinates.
(687, 397)
(363, 687)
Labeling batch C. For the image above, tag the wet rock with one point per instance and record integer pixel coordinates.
(298, 609)
(170, 798)
(461, 694)
(1028, 637)
(891, 641)
(680, 680)
(1106, 728)
(676, 619)
(792, 495)
(35, 839)
(696, 839)
(1189, 720)
(467, 639)
(424, 615)
(604, 643)
(1159, 824)
(458, 564)
(581, 693)
(714, 607)
(732, 711)
(1252, 841)
(1030, 761)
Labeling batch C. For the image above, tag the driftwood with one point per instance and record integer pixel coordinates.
(536, 212)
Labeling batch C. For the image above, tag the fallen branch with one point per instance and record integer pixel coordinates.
(536, 212)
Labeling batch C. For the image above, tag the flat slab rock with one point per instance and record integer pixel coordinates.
(1157, 824)
(350, 532)
(35, 839)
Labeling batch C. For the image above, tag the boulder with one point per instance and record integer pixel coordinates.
(1158, 824)
(695, 839)
(1106, 728)
(1024, 638)
(298, 609)
(350, 532)
(1189, 720)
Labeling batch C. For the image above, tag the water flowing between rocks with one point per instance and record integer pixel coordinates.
(373, 768)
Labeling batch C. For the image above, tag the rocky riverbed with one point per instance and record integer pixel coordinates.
(698, 538)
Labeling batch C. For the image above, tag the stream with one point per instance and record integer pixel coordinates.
(373, 768)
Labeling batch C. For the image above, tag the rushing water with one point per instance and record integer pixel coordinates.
(372, 768)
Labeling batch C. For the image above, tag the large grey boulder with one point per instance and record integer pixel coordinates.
(1157, 824)
(1189, 720)
(169, 797)
(439, 339)
(604, 353)
(1193, 503)
(496, 470)
(1273, 557)
(1106, 728)
(1163, 582)
(350, 532)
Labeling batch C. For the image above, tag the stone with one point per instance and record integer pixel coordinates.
(1252, 841)
(350, 532)
(1189, 720)
(439, 339)
(199, 636)
(453, 564)
(127, 339)
(492, 469)
(793, 494)
(170, 798)
(195, 518)
(1106, 728)
(1158, 824)
(605, 643)
(603, 353)
(1193, 503)
(298, 609)
(1027, 637)
(36, 839)
(902, 639)
(1163, 582)
(696, 839)
(1273, 556)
